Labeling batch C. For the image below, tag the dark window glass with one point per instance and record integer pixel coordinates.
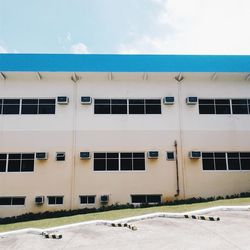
(102, 109)
(27, 166)
(2, 165)
(206, 106)
(138, 155)
(138, 164)
(18, 201)
(208, 164)
(99, 164)
(233, 161)
(126, 164)
(138, 198)
(248, 106)
(126, 155)
(83, 199)
(46, 109)
(112, 164)
(102, 101)
(27, 156)
(222, 106)
(99, 155)
(47, 101)
(51, 200)
(220, 164)
(153, 106)
(59, 200)
(1, 106)
(14, 156)
(206, 101)
(5, 201)
(154, 198)
(14, 165)
(113, 155)
(119, 106)
(136, 106)
(244, 155)
(91, 199)
(207, 155)
(29, 109)
(239, 106)
(11, 106)
(245, 163)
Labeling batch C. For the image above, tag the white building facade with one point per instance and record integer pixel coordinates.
(85, 130)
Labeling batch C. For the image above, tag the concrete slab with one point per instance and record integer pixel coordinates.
(231, 232)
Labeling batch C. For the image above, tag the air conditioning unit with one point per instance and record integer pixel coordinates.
(104, 199)
(62, 100)
(153, 154)
(60, 156)
(86, 100)
(85, 155)
(168, 100)
(41, 156)
(39, 200)
(195, 155)
(170, 156)
(191, 100)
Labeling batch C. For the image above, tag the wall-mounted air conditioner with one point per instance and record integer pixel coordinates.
(39, 200)
(153, 154)
(104, 199)
(60, 156)
(86, 100)
(170, 156)
(85, 155)
(191, 100)
(62, 100)
(195, 155)
(168, 100)
(42, 156)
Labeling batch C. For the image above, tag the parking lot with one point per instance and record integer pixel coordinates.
(231, 232)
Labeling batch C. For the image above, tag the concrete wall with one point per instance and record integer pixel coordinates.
(75, 128)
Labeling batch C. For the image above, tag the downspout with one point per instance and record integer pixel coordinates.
(177, 170)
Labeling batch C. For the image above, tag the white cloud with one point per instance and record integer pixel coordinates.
(196, 27)
(3, 50)
(79, 48)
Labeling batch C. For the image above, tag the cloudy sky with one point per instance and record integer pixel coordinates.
(125, 26)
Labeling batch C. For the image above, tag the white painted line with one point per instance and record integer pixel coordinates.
(127, 220)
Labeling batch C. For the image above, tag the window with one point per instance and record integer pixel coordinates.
(124, 106)
(146, 198)
(144, 106)
(55, 200)
(119, 161)
(224, 106)
(12, 201)
(87, 199)
(27, 106)
(17, 162)
(226, 161)
(241, 106)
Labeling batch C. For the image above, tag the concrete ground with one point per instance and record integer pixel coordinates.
(231, 232)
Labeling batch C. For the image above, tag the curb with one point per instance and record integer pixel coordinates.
(201, 217)
(127, 220)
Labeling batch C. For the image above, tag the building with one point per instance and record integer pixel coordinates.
(85, 130)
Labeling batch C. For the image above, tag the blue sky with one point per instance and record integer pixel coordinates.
(125, 26)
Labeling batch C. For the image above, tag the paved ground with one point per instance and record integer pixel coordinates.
(232, 232)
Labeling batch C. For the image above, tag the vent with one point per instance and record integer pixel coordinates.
(85, 155)
(41, 156)
(168, 100)
(62, 100)
(170, 156)
(39, 200)
(104, 199)
(191, 100)
(195, 155)
(153, 154)
(86, 100)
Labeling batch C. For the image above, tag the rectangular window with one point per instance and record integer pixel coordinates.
(156, 198)
(124, 106)
(119, 161)
(55, 200)
(144, 106)
(224, 106)
(87, 199)
(240, 106)
(3, 161)
(12, 201)
(11, 106)
(231, 161)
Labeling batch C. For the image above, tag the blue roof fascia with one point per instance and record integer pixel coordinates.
(123, 63)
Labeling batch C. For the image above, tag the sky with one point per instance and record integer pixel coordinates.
(125, 26)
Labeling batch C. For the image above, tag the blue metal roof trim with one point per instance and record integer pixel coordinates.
(123, 63)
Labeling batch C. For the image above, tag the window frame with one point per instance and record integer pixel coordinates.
(55, 197)
(119, 162)
(227, 163)
(146, 198)
(87, 196)
(11, 200)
